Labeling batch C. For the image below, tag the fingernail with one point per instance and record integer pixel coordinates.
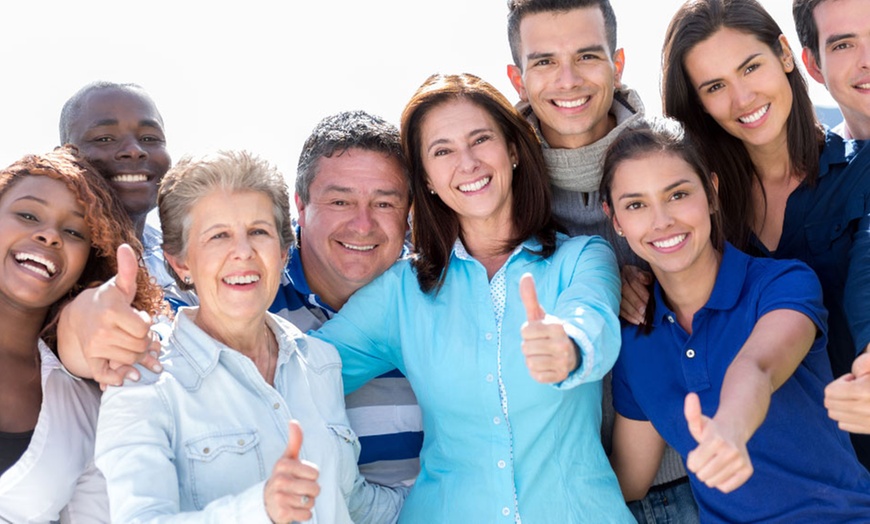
(157, 368)
(133, 375)
(154, 354)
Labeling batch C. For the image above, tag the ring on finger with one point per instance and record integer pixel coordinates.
(304, 499)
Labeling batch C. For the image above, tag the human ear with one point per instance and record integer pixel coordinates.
(787, 57)
(300, 209)
(812, 66)
(618, 68)
(516, 77)
(178, 265)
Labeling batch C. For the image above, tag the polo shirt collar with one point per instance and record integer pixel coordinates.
(726, 289)
(837, 151)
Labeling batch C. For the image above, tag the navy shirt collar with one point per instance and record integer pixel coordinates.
(726, 289)
(837, 151)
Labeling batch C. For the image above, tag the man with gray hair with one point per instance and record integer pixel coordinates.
(353, 198)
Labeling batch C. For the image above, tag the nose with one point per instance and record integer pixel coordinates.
(569, 76)
(864, 57)
(468, 160)
(243, 249)
(742, 96)
(48, 236)
(362, 220)
(131, 148)
(662, 218)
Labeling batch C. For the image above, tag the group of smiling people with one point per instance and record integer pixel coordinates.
(504, 325)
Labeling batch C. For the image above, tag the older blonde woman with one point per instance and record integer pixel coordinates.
(209, 438)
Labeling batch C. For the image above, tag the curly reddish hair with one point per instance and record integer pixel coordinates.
(106, 219)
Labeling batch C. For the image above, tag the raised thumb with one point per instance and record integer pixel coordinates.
(128, 268)
(529, 296)
(694, 417)
(294, 442)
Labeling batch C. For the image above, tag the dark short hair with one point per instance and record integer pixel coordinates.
(695, 22)
(517, 9)
(435, 226)
(805, 24)
(337, 133)
(73, 106)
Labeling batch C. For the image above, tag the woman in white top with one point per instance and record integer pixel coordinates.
(60, 228)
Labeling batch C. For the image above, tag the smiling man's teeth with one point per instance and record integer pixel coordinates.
(238, 280)
(46, 267)
(355, 247)
(130, 178)
(863, 86)
(748, 119)
(671, 242)
(571, 103)
(475, 186)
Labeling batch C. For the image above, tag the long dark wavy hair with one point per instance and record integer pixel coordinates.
(435, 226)
(106, 220)
(694, 22)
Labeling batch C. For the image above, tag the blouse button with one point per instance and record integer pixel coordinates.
(496, 420)
(241, 442)
(276, 405)
(488, 336)
(501, 464)
(206, 450)
(505, 511)
(671, 319)
(690, 353)
(489, 377)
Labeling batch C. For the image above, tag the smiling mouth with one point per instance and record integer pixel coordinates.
(571, 104)
(754, 117)
(37, 264)
(862, 86)
(241, 280)
(354, 247)
(670, 242)
(475, 186)
(130, 178)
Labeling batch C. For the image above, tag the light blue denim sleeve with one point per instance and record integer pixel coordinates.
(589, 307)
(371, 503)
(134, 453)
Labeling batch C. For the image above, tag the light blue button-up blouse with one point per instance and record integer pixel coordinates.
(498, 446)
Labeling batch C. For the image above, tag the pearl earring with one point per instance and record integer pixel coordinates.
(515, 165)
(187, 280)
(620, 233)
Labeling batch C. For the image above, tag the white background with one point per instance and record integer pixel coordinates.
(258, 75)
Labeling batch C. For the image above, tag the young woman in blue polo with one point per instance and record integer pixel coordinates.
(730, 366)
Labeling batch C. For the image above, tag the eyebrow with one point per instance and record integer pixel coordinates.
(44, 203)
(743, 64)
(446, 141)
(670, 187)
(836, 38)
(222, 225)
(594, 48)
(347, 190)
(147, 122)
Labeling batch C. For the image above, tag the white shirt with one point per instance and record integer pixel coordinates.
(55, 479)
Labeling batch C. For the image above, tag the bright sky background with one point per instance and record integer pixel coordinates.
(259, 75)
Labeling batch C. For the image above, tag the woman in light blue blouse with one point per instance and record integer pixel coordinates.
(509, 381)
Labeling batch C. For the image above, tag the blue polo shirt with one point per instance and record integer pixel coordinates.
(805, 468)
(384, 413)
(826, 226)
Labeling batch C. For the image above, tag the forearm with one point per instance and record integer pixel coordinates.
(744, 399)
(371, 503)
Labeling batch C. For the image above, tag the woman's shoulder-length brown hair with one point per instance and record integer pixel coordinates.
(434, 226)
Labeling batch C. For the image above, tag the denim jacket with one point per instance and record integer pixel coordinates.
(198, 442)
